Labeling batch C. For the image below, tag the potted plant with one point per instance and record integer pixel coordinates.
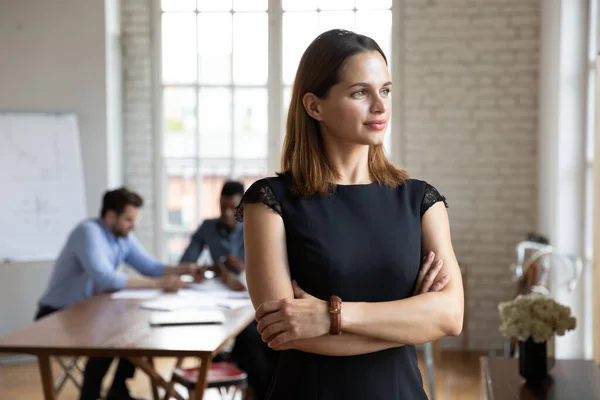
(533, 319)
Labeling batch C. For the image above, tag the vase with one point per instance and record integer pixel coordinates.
(533, 362)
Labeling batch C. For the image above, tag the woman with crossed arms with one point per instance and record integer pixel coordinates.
(334, 243)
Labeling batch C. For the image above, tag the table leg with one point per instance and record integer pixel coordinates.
(67, 373)
(202, 378)
(152, 382)
(47, 380)
(171, 387)
(145, 366)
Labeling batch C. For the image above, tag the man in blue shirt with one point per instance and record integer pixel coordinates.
(87, 265)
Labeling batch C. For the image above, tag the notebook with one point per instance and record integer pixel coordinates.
(187, 317)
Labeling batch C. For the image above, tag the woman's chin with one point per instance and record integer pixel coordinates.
(375, 139)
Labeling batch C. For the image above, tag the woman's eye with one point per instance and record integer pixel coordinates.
(385, 92)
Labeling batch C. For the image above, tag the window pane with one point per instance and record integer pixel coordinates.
(336, 4)
(182, 211)
(250, 5)
(178, 5)
(214, 48)
(214, 116)
(214, 173)
(250, 108)
(210, 194)
(179, 106)
(336, 20)
(378, 26)
(248, 171)
(178, 43)
(373, 4)
(287, 95)
(214, 5)
(299, 30)
(299, 5)
(175, 245)
(250, 45)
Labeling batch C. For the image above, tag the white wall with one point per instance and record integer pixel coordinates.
(469, 116)
(53, 57)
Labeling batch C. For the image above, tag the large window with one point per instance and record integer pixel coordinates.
(216, 87)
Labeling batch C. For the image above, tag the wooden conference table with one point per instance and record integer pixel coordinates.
(104, 327)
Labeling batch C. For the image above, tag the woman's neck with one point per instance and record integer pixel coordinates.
(350, 161)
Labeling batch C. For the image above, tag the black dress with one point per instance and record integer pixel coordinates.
(362, 243)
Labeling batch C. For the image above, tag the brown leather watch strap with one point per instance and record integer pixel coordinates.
(335, 312)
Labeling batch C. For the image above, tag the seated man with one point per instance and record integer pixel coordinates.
(224, 237)
(87, 265)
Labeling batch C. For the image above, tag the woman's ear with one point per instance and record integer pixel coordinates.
(312, 106)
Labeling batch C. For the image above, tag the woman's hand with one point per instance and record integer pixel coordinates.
(427, 280)
(281, 322)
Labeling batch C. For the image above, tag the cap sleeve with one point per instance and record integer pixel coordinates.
(258, 192)
(431, 197)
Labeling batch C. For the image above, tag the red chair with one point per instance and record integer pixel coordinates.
(221, 375)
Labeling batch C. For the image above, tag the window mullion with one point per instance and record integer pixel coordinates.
(199, 177)
(275, 85)
(232, 88)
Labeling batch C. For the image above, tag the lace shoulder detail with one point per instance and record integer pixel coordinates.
(258, 192)
(431, 197)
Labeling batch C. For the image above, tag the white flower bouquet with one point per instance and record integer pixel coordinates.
(535, 315)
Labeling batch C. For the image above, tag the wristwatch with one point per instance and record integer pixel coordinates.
(335, 313)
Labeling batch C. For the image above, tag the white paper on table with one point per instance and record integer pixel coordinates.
(219, 289)
(170, 303)
(209, 299)
(233, 304)
(136, 294)
(190, 299)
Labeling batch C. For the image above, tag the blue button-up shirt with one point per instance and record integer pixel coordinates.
(87, 264)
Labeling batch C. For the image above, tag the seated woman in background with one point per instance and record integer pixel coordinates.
(334, 243)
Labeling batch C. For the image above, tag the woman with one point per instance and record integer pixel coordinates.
(340, 220)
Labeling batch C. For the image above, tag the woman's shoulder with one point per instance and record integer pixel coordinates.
(268, 191)
(424, 194)
(418, 186)
(412, 187)
(276, 184)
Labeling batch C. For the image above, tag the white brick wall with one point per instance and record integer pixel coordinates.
(469, 94)
(469, 116)
(138, 147)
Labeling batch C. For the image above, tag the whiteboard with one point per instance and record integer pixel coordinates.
(42, 194)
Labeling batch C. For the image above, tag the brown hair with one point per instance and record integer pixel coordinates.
(303, 157)
(116, 200)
